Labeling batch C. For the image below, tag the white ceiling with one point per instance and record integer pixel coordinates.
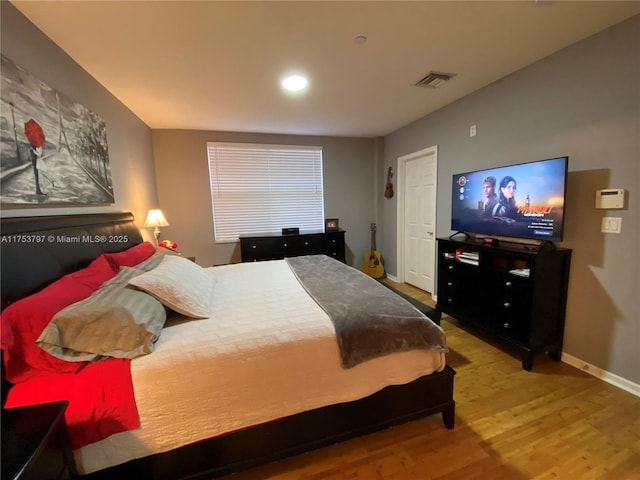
(212, 65)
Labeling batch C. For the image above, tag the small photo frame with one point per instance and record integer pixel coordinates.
(331, 224)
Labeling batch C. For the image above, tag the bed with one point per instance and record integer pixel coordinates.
(215, 429)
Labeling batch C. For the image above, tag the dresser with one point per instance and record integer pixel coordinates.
(513, 293)
(277, 246)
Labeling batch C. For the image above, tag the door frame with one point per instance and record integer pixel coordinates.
(402, 161)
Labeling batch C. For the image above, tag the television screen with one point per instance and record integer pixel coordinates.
(524, 201)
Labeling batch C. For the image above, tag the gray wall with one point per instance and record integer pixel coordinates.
(182, 173)
(583, 101)
(129, 139)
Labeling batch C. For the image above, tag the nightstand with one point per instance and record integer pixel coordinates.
(35, 443)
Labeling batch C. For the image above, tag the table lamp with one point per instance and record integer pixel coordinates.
(155, 218)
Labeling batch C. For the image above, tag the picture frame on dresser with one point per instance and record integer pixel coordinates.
(331, 224)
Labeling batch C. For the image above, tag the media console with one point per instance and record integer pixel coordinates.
(512, 292)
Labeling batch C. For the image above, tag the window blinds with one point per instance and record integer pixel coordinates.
(257, 189)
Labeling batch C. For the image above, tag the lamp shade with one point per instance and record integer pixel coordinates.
(155, 218)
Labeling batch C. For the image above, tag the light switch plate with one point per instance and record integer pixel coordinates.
(611, 225)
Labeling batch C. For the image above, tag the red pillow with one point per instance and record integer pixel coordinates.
(23, 322)
(130, 257)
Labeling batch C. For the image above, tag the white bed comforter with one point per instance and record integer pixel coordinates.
(267, 351)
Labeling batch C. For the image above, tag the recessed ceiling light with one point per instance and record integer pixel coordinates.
(294, 83)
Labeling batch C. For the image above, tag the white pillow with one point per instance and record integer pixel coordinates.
(179, 284)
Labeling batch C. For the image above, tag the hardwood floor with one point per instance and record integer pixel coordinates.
(555, 422)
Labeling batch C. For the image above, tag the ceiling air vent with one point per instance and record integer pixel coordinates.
(434, 79)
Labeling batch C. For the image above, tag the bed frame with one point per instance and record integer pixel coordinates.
(36, 251)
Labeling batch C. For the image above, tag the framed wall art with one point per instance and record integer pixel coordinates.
(52, 150)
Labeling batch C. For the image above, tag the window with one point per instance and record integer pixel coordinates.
(259, 189)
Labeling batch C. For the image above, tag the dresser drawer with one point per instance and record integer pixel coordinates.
(262, 248)
(311, 244)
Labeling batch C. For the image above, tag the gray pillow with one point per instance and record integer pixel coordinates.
(115, 321)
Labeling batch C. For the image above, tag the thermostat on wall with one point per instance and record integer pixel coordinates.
(610, 198)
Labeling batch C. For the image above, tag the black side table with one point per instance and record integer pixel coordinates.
(35, 443)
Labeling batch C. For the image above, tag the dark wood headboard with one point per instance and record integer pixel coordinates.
(35, 251)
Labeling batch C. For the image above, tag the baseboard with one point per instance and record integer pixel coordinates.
(597, 372)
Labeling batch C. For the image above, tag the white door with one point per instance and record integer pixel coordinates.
(420, 219)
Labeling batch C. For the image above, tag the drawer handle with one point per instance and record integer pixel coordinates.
(507, 305)
(285, 244)
(449, 300)
(253, 246)
(450, 267)
(506, 325)
(449, 284)
(508, 284)
(306, 243)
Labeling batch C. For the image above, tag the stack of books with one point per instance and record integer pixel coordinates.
(472, 258)
(522, 272)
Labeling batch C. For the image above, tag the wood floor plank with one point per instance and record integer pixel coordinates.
(555, 422)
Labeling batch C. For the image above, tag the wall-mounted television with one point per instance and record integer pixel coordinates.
(524, 201)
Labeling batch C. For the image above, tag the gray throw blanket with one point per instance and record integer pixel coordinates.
(370, 320)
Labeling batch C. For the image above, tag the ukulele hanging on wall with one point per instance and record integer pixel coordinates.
(388, 189)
